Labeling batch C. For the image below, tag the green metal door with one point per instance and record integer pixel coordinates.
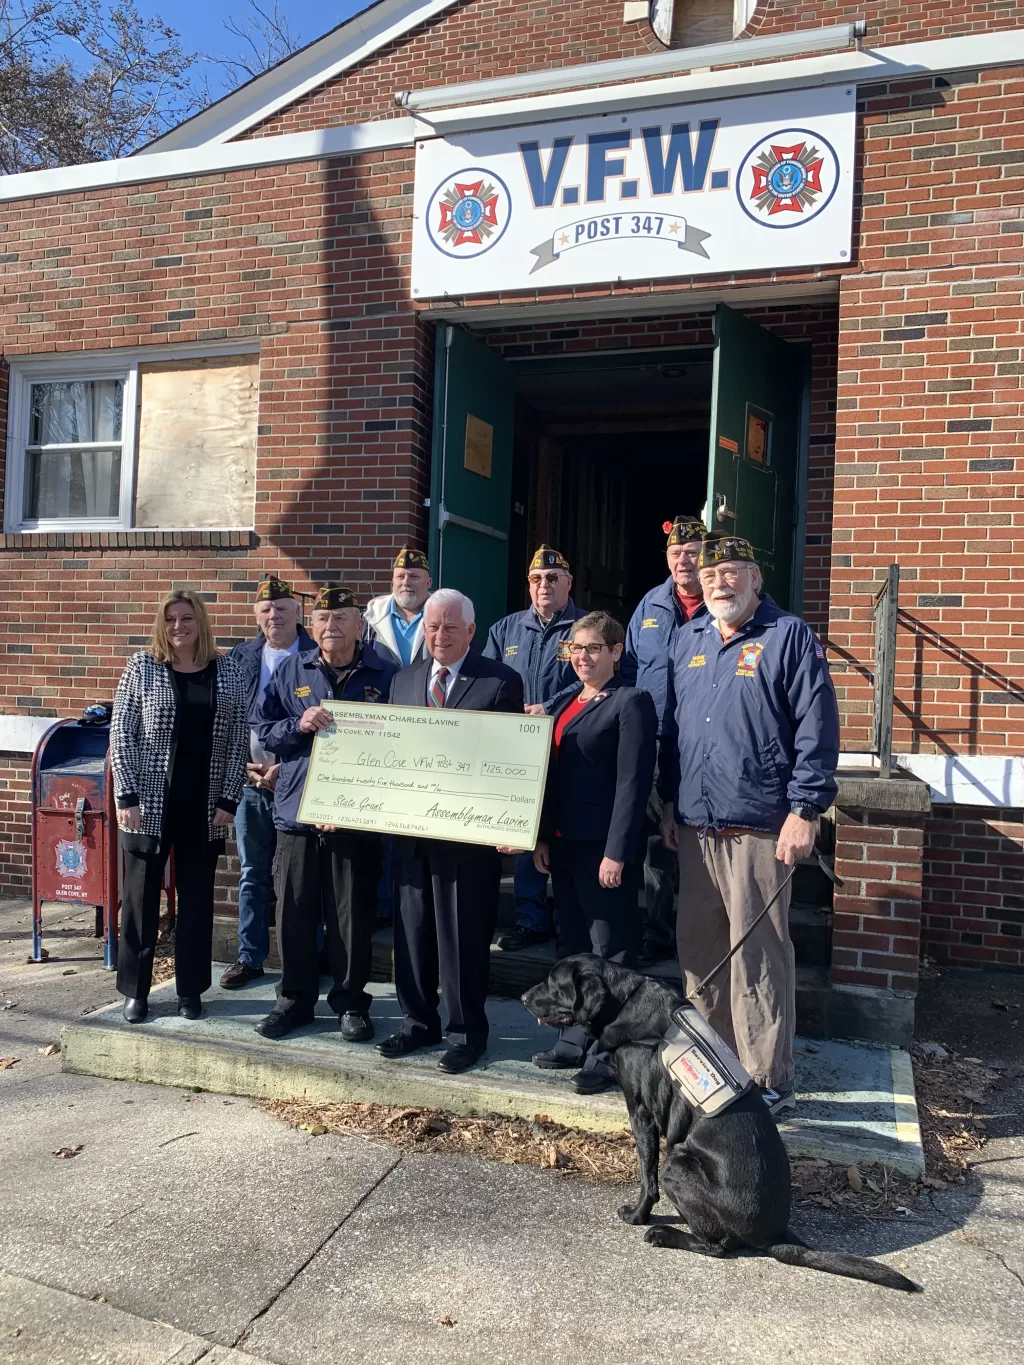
(471, 478)
(756, 406)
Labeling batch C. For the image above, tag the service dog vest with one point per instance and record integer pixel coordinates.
(702, 1065)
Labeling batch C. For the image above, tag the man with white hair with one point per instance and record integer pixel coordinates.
(748, 760)
(278, 637)
(447, 891)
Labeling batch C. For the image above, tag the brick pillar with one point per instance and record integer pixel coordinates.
(876, 924)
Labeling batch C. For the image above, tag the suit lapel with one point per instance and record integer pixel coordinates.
(591, 706)
(461, 685)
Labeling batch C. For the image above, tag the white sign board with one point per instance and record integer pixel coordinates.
(738, 185)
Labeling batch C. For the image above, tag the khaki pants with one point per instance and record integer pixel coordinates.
(752, 1002)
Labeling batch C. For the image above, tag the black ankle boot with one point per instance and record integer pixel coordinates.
(190, 1006)
(135, 1009)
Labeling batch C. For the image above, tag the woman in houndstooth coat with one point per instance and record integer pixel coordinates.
(178, 744)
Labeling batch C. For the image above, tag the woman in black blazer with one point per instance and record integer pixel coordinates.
(599, 782)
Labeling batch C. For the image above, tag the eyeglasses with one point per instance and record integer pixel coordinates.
(536, 578)
(710, 576)
(593, 650)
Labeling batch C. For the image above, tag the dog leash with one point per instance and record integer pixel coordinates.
(829, 873)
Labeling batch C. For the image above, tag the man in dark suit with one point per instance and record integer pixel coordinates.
(447, 891)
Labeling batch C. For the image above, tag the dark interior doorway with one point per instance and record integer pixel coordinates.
(607, 448)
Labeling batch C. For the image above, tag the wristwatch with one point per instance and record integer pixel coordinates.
(805, 810)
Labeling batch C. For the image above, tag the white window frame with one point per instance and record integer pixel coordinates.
(114, 364)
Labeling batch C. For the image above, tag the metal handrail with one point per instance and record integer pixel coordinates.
(885, 611)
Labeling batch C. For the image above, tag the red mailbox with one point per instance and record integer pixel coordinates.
(74, 828)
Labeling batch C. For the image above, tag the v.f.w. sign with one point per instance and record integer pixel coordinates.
(740, 185)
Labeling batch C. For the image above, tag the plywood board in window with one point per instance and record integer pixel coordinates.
(196, 460)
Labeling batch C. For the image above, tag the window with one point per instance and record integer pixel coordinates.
(696, 23)
(165, 443)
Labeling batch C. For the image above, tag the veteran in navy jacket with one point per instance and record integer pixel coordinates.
(331, 873)
(535, 643)
(646, 663)
(447, 891)
(748, 761)
(599, 782)
(278, 637)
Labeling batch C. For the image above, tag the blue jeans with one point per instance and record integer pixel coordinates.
(256, 839)
(531, 895)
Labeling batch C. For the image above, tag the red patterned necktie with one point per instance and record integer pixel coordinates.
(438, 691)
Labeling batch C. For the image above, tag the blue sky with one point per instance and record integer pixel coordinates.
(200, 22)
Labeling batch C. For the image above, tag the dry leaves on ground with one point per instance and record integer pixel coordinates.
(538, 1143)
(954, 1104)
(50, 1050)
(7, 1062)
(66, 1153)
(163, 962)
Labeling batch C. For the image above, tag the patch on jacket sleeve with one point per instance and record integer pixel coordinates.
(511, 651)
(563, 652)
(697, 661)
(649, 623)
(371, 693)
(302, 691)
(750, 656)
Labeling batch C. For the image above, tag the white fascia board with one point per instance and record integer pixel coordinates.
(349, 139)
(865, 67)
(655, 303)
(313, 66)
(958, 779)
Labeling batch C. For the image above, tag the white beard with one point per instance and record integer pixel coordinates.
(407, 600)
(735, 609)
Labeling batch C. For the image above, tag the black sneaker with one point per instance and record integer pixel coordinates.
(520, 937)
(355, 1028)
(240, 975)
(778, 1101)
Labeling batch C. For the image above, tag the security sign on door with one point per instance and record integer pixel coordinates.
(741, 184)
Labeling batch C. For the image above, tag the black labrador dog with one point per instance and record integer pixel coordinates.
(728, 1175)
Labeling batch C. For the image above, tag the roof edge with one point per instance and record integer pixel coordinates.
(314, 65)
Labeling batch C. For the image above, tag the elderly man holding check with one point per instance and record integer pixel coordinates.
(447, 891)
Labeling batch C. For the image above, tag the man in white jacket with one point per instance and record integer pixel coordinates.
(394, 622)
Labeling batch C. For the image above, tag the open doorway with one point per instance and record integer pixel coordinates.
(594, 452)
(607, 448)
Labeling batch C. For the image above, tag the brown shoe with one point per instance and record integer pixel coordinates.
(240, 975)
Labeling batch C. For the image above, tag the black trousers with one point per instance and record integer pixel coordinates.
(661, 886)
(595, 919)
(447, 911)
(195, 863)
(329, 876)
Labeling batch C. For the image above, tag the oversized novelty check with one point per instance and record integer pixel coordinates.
(473, 776)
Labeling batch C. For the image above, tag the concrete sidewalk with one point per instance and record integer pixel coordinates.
(856, 1103)
(199, 1227)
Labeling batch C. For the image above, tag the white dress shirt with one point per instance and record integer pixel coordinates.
(453, 673)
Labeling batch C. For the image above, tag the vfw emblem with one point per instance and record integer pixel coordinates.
(787, 178)
(71, 858)
(468, 213)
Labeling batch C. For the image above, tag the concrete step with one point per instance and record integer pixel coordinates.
(855, 1103)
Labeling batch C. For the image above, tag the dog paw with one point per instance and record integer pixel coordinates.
(656, 1236)
(634, 1213)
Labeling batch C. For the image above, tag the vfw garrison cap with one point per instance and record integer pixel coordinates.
(411, 559)
(332, 597)
(681, 530)
(547, 558)
(723, 550)
(272, 589)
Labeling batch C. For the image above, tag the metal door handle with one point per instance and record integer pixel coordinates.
(80, 819)
(444, 517)
(723, 512)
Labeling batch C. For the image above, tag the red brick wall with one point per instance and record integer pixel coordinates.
(973, 910)
(15, 843)
(483, 38)
(929, 466)
(876, 923)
